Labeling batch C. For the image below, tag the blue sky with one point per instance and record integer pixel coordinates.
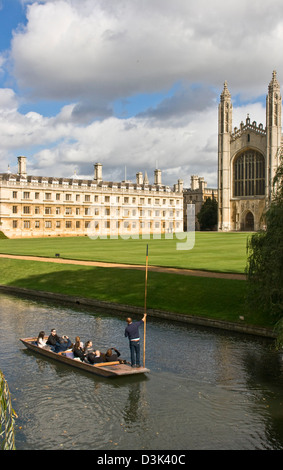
(12, 14)
(130, 83)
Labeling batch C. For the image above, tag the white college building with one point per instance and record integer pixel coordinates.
(35, 206)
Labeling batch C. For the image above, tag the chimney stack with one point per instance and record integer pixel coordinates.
(139, 178)
(22, 166)
(180, 186)
(98, 172)
(157, 177)
(194, 182)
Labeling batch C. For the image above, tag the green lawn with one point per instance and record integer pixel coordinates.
(209, 297)
(213, 251)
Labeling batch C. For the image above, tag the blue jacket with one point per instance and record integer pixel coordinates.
(132, 330)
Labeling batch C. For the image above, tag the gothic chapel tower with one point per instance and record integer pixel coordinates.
(273, 127)
(247, 161)
(224, 137)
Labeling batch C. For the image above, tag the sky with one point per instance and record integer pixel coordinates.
(131, 84)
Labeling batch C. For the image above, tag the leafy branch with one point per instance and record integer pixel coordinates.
(7, 416)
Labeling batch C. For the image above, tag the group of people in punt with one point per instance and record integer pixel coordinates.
(87, 353)
(84, 352)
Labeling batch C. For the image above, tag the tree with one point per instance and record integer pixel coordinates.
(265, 260)
(7, 416)
(207, 215)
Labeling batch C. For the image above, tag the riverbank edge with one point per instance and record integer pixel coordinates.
(113, 308)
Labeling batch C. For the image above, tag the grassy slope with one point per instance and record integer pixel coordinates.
(213, 251)
(209, 297)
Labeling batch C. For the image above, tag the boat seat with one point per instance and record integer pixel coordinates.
(103, 364)
(69, 354)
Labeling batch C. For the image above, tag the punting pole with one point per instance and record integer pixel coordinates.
(145, 294)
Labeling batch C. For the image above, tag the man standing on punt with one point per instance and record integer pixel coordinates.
(132, 332)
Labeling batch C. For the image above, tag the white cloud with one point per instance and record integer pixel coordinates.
(139, 144)
(116, 48)
(89, 53)
(179, 149)
(8, 100)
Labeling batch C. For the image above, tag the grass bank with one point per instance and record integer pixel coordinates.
(189, 295)
(212, 251)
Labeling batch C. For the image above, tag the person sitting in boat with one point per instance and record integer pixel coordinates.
(95, 357)
(88, 347)
(111, 356)
(58, 343)
(41, 342)
(78, 349)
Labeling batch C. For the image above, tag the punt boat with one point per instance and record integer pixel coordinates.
(103, 369)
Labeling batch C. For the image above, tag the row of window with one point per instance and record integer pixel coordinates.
(87, 198)
(27, 210)
(68, 224)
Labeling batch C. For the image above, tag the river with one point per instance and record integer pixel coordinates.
(207, 389)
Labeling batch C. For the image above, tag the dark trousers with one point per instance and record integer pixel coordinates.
(135, 352)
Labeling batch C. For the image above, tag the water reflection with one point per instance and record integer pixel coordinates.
(207, 389)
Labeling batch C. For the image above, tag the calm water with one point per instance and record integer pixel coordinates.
(207, 389)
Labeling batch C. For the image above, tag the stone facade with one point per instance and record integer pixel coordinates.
(247, 161)
(197, 194)
(33, 206)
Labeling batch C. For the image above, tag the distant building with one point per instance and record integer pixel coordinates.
(197, 194)
(46, 206)
(247, 161)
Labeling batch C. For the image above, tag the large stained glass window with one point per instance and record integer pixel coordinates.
(249, 174)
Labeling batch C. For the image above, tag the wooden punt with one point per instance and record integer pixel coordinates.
(104, 369)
